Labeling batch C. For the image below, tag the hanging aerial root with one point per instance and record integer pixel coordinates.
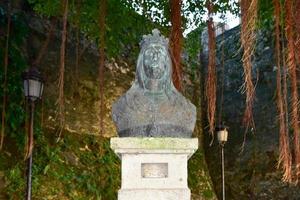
(285, 71)
(3, 119)
(291, 63)
(61, 100)
(211, 84)
(249, 19)
(176, 43)
(297, 28)
(284, 161)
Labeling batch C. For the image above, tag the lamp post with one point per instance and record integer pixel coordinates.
(222, 138)
(33, 88)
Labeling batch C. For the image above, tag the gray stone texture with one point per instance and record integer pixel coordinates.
(253, 173)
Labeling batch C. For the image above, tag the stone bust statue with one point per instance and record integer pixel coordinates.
(152, 107)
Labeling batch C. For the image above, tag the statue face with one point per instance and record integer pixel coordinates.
(154, 61)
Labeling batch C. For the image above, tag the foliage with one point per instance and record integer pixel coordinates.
(265, 14)
(120, 38)
(195, 10)
(156, 11)
(193, 43)
(79, 167)
(200, 186)
(192, 10)
(47, 7)
(52, 174)
(15, 113)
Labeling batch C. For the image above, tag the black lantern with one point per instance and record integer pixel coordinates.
(33, 84)
(33, 88)
(222, 134)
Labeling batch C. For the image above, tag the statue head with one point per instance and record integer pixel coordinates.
(154, 67)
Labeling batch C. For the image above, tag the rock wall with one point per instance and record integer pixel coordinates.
(251, 169)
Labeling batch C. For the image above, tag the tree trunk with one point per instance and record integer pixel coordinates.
(176, 42)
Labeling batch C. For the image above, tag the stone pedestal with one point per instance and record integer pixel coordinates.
(154, 168)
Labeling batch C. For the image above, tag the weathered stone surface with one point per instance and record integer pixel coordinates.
(154, 168)
(154, 143)
(152, 107)
(253, 173)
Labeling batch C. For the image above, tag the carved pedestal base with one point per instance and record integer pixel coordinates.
(154, 168)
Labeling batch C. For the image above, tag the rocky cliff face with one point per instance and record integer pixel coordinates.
(251, 170)
(82, 101)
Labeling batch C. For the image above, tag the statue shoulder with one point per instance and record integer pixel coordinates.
(187, 108)
(185, 103)
(118, 108)
(126, 104)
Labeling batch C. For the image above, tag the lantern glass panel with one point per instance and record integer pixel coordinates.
(42, 88)
(222, 136)
(26, 88)
(34, 88)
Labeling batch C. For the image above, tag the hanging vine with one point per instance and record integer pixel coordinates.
(77, 45)
(284, 81)
(297, 27)
(284, 149)
(211, 85)
(248, 26)
(102, 17)
(4, 100)
(77, 36)
(222, 76)
(61, 101)
(291, 63)
(176, 42)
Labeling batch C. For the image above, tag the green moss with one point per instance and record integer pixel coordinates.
(199, 179)
(96, 175)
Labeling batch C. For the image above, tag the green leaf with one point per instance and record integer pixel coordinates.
(46, 169)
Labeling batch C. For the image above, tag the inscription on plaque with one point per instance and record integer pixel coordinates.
(154, 170)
